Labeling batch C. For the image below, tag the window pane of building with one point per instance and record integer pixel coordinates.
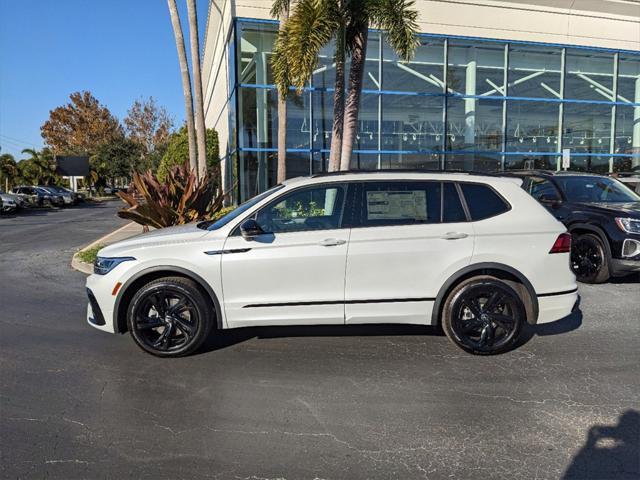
(257, 171)
(256, 45)
(367, 134)
(257, 117)
(587, 127)
(532, 126)
(627, 138)
(480, 162)
(411, 160)
(530, 162)
(534, 71)
(322, 119)
(589, 75)
(474, 124)
(629, 78)
(324, 75)
(364, 160)
(424, 73)
(476, 68)
(412, 122)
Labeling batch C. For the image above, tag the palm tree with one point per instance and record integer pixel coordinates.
(280, 9)
(312, 25)
(201, 133)
(8, 169)
(186, 82)
(41, 166)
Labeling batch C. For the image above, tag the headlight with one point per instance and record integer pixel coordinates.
(629, 225)
(104, 265)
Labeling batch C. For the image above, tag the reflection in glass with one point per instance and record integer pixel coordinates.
(534, 71)
(589, 75)
(629, 78)
(412, 122)
(587, 128)
(424, 73)
(476, 68)
(532, 126)
(480, 162)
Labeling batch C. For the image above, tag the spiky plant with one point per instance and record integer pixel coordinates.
(181, 198)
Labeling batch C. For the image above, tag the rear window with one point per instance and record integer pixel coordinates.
(482, 201)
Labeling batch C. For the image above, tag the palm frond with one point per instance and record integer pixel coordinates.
(279, 7)
(398, 20)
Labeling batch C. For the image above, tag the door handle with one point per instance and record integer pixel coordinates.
(454, 236)
(331, 242)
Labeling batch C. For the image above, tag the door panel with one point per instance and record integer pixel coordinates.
(401, 250)
(294, 274)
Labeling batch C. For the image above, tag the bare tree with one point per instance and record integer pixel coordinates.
(186, 82)
(197, 86)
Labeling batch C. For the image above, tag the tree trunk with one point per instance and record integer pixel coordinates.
(338, 104)
(186, 82)
(201, 134)
(352, 106)
(282, 119)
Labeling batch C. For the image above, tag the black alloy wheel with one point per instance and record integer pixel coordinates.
(170, 317)
(484, 316)
(589, 260)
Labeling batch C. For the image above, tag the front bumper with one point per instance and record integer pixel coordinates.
(101, 302)
(623, 267)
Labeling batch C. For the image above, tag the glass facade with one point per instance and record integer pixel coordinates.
(460, 103)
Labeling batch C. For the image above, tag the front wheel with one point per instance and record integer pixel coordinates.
(170, 317)
(589, 260)
(483, 316)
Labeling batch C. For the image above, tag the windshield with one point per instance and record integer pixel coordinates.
(221, 222)
(596, 189)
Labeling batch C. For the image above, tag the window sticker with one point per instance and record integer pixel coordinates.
(399, 205)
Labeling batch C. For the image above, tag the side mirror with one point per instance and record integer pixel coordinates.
(250, 228)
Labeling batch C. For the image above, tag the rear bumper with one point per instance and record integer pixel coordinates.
(556, 306)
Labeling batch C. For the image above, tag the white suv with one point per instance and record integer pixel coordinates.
(473, 253)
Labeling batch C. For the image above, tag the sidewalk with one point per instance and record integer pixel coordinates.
(127, 231)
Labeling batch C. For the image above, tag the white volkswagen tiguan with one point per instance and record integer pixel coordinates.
(473, 253)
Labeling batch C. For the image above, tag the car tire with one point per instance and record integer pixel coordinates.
(483, 316)
(589, 259)
(170, 317)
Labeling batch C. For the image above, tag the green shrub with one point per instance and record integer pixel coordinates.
(89, 255)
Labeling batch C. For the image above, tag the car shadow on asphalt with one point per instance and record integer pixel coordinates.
(632, 278)
(610, 451)
(226, 338)
(558, 327)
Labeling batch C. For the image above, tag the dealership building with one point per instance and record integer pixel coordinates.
(494, 84)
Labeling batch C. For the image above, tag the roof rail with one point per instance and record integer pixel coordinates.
(409, 170)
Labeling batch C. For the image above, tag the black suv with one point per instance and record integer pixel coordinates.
(602, 214)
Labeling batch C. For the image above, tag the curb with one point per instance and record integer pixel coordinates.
(87, 268)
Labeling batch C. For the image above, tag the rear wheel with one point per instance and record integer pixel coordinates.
(483, 316)
(589, 259)
(170, 317)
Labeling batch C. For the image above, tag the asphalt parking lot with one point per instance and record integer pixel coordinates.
(377, 402)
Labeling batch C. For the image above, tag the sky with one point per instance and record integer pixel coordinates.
(119, 50)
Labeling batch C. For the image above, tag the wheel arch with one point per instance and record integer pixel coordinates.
(149, 274)
(501, 271)
(577, 228)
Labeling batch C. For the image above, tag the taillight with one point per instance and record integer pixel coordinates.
(562, 244)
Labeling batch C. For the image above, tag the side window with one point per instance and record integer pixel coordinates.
(482, 201)
(399, 203)
(452, 210)
(314, 208)
(542, 189)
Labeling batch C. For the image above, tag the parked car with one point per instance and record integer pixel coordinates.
(473, 253)
(33, 196)
(68, 197)
(56, 199)
(602, 214)
(11, 203)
